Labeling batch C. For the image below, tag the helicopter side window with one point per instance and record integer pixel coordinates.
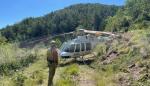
(88, 46)
(77, 48)
(72, 47)
(82, 47)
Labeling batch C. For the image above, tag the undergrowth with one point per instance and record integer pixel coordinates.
(14, 58)
(132, 51)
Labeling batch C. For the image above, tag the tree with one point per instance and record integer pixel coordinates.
(134, 15)
(2, 39)
(90, 16)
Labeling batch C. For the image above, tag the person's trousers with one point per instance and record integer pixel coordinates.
(52, 69)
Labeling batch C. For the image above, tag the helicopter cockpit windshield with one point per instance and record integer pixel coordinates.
(68, 47)
(64, 45)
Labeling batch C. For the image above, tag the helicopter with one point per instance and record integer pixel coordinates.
(84, 43)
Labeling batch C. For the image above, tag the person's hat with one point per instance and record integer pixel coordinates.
(53, 42)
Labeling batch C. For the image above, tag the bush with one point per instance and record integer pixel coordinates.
(100, 49)
(7, 68)
(13, 58)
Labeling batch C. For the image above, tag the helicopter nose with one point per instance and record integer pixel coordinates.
(62, 53)
(65, 55)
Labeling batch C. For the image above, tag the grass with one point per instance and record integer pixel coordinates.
(105, 74)
(35, 74)
(37, 78)
(13, 58)
(136, 52)
(68, 73)
(11, 52)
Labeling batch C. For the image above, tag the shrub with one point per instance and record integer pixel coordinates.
(100, 49)
(13, 58)
(7, 68)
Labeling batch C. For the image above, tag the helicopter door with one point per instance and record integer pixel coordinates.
(77, 48)
(82, 47)
(72, 48)
(88, 46)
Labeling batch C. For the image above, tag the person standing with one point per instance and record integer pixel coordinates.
(52, 59)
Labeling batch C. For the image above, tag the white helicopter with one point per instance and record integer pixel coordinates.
(84, 43)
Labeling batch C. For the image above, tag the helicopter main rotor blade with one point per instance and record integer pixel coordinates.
(97, 33)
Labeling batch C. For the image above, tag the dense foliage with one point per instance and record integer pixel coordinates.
(90, 16)
(134, 15)
(2, 39)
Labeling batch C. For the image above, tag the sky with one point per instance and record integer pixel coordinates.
(13, 11)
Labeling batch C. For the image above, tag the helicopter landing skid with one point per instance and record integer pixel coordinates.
(83, 59)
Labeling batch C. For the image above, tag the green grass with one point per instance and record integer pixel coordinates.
(35, 74)
(66, 79)
(105, 75)
(28, 70)
(37, 78)
(13, 58)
